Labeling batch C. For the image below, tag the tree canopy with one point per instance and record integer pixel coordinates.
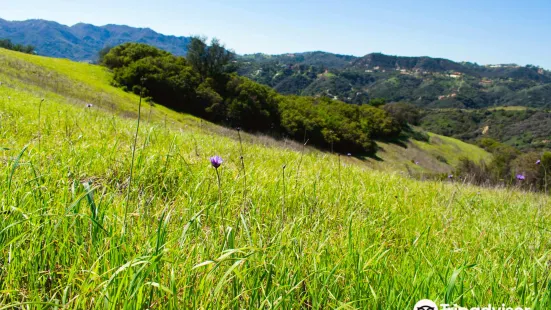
(203, 84)
(208, 60)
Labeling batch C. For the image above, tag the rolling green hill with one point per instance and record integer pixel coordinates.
(423, 81)
(96, 212)
(521, 127)
(90, 84)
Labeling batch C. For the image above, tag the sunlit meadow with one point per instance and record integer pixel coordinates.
(83, 226)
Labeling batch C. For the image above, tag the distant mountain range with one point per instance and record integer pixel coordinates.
(424, 81)
(82, 42)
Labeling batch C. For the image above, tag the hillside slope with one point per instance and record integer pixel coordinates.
(424, 81)
(82, 42)
(523, 128)
(89, 84)
(86, 222)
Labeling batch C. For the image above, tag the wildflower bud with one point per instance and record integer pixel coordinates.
(216, 161)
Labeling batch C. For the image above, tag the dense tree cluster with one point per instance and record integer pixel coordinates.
(423, 81)
(205, 84)
(7, 44)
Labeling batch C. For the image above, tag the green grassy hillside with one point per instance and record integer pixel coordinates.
(439, 154)
(85, 224)
(82, 84)
(521, 127)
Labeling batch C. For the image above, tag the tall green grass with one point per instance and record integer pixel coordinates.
(306, 230)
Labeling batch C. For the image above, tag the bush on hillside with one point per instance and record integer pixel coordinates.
(128, 53)
(404, 113)
(8, 44)
(169, 80)
(509, 167)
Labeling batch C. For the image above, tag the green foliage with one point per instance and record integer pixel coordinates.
(101, 54)
(377, 102)
(7, 44)
(343, 127)
(169, 80)
(442, 159)
(128, 53)
(208, 60)
(423, 81)
(525, 129)
(252, 106)
(404, 113)
(418, 135)
(506, 165)
(201, 85)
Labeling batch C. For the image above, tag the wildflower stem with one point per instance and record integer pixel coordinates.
(219, 191)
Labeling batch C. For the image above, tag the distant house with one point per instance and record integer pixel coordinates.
(486, 82)
(540, 71)
(452, 95)
(455, 76)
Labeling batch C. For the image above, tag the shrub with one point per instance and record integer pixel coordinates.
(442, 159)
(404, 113)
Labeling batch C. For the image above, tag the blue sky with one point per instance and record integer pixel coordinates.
(483, 31)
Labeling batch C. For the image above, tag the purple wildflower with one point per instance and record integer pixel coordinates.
(89, 105)
(216, 161)
(538, 162)
(521, 177)
(416, 162)
(450, 176)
